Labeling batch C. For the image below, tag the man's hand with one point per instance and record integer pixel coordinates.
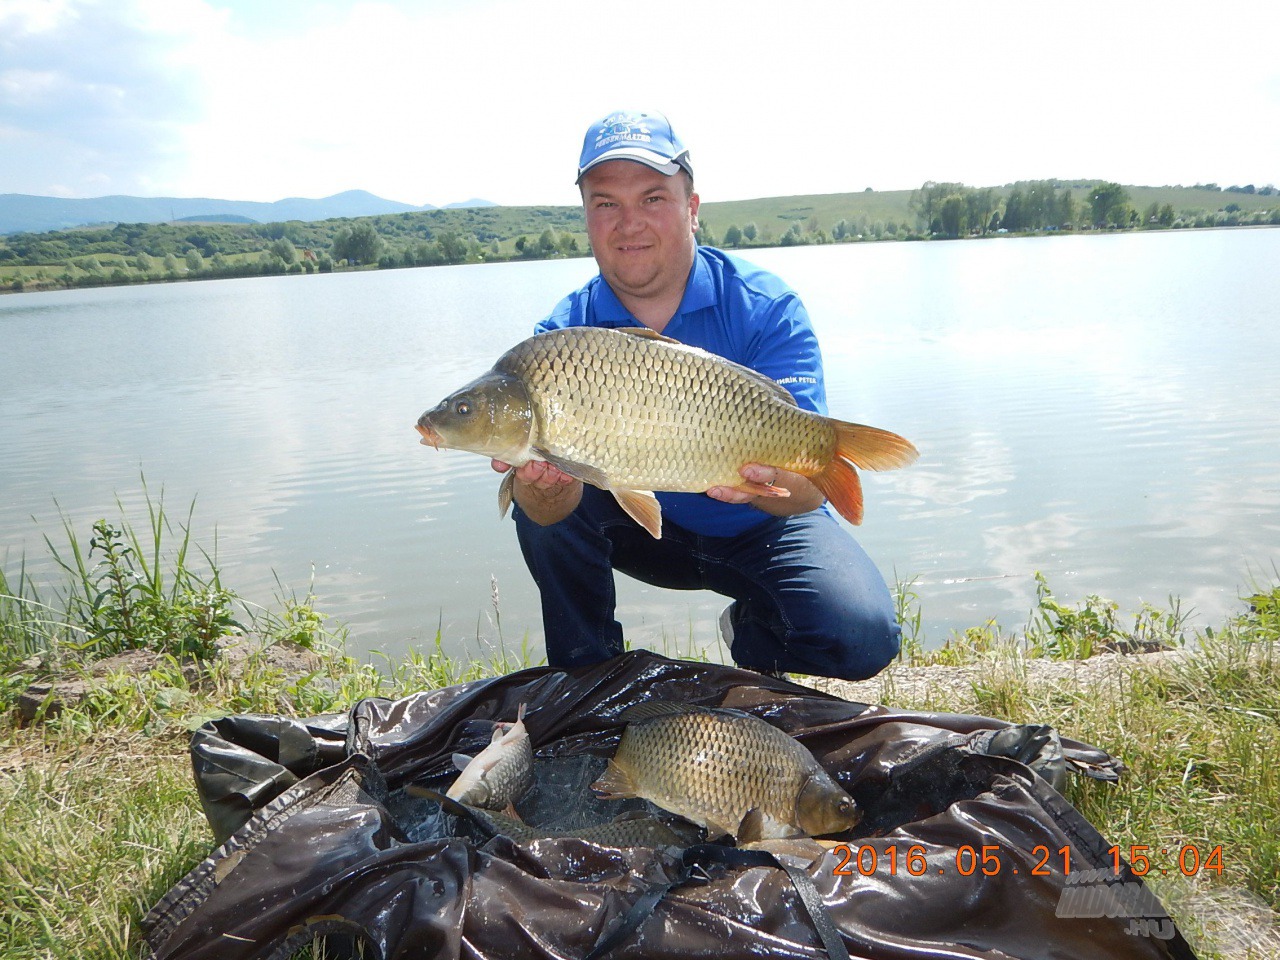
(546, 494)
(794, 493)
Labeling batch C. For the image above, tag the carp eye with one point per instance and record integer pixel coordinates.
(462, 408)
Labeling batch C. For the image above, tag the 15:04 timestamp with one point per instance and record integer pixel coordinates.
(1190, 859)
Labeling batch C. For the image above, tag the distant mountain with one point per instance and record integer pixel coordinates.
(25, 213)
(473, 202)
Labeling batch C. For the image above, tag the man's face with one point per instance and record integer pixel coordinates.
(641, 225)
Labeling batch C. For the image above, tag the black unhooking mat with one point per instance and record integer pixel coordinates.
(963, 852)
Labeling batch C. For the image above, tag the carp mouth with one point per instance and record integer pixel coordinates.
(429, 437)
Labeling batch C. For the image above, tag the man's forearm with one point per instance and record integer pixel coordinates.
(547, 505)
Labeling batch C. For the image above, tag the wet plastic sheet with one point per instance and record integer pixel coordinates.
(325, 841)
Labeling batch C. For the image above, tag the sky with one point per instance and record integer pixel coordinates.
(439, 101)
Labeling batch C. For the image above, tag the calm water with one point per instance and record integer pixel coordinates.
(1102, 409)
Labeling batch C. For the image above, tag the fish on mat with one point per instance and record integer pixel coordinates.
(496, 776)
(727, 771)
(631, 412)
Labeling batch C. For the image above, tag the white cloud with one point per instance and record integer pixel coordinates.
(89, 96)
(440, 101)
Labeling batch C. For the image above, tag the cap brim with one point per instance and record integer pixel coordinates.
(656, 161)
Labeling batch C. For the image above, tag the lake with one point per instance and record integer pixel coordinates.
(1104, 409)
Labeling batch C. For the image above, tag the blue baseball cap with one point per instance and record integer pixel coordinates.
(634, 135)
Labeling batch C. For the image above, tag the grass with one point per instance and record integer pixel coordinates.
(1198, 729)
(99, 817)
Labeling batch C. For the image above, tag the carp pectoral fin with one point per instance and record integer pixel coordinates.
(642, 507)
(511, 812)
(751, 828)
(460, 760)
(615, 784)
(839, 483)
(762, 489)
(505, 492)
(583, 471)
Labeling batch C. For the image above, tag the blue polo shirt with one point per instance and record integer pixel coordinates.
(738, 311)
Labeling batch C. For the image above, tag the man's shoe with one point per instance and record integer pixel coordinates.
(726, 634)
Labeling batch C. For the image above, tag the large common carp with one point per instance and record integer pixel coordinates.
(725, 770)
(631, 412)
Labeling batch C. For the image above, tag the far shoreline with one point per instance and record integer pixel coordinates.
(740, 250)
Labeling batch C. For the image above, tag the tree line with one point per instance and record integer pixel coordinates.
(954, 210)
(130, 253)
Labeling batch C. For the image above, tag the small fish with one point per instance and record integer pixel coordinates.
(499, 773)
(631, 412)
(727, 771)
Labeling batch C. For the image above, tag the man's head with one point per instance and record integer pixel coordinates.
(641, 211)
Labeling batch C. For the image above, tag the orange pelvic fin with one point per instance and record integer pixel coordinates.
(642, 507)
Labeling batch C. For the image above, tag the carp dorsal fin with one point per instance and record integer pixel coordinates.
(645, 332)
(652, 709)
(633, 816)
(775, 388)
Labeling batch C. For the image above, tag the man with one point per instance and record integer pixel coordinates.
(807, 599)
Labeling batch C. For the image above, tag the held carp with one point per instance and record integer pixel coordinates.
(727, 771)
(631, 412)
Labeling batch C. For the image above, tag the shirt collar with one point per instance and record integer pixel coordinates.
(699, 293)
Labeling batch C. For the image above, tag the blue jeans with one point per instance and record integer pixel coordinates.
(807, 598)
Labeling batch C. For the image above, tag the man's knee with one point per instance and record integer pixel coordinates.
(876, 639)
(857, 643)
